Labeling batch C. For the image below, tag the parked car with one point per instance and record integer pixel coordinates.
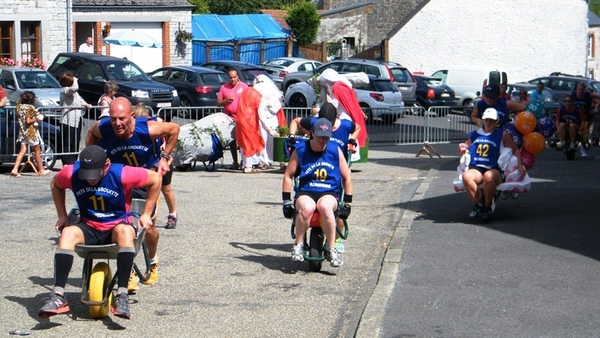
(433, 91)
(564, 84)
(9, 130)
(246, 71)
(92, 72)
(395, 72)
(549, 98)
(196, 86)
(468, 81)
(278, 68)
(379, 99)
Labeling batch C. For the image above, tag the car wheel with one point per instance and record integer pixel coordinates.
(468, 107)
(183, 111)
(298, 100)
(48, 156)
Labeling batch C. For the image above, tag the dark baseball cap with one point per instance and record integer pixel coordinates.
(492, 91)
(322, 128)
(91, 163)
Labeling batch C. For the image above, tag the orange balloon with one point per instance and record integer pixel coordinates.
(534, 143)
(525, 122)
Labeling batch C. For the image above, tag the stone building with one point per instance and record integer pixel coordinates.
(44, 28)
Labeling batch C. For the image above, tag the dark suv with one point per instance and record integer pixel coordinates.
(400, 75)
(564, 84)
(92, 72)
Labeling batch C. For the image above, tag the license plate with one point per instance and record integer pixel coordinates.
(163, 104)
(403, 88)
(445, 95)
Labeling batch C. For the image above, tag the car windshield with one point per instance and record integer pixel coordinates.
(279, 63)
(401, 75)
(125, 71)
(250, 74)
(214, 78)
(383, 86)
(34, 79)
(432, 82)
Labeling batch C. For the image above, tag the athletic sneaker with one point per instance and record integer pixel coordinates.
(339, 245)
(486, 213)
(153, 274)
(120, 307)
(583, 152)
(133, 285)
(298, 252)
(171, 222)
(477, 208)
(334, 258)
(55, 305)
(560, 145)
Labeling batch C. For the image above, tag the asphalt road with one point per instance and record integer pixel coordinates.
(225, 271)
(415, 264)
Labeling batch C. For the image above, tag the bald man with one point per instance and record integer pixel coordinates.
(132, 141)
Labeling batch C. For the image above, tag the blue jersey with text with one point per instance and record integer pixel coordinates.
(319, 171)
(569, 117)
(485, 148)
(501, 107)
(137, 151)
(103, 202)
(584, 103)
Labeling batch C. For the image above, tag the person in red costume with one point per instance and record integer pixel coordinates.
(247, 129)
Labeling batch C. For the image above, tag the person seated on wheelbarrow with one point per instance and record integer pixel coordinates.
(485, 145)
(103, 193)
(569, 120)
(320, 166)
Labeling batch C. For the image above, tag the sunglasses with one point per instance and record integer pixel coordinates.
(567, 101)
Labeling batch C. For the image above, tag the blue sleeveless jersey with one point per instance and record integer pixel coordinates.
(319, 172)
(569, 117)
(137, 151)
(485, 148)
(104, 202)
(501, 107)
(341, 135)
(584, 103)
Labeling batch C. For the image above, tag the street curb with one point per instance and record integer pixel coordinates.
(374, 312)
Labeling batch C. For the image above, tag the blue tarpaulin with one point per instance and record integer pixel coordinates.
(223, 28)
(225, 31)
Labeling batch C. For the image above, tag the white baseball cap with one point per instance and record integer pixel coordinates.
(490, 113)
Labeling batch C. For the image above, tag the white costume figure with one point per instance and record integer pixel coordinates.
(329, 77)
(270, 104)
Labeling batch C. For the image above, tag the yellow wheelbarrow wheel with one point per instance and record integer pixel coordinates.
(99, 283)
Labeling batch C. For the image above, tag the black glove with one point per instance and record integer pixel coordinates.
(352, 142)
(291, 141)
(344, 211)
(288, 209)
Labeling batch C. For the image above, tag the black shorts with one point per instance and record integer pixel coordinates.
(141, 193)
(482, 170)
(96, 237)
(315, 195)
(166, 179)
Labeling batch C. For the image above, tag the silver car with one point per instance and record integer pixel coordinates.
(16, 80)
(278, 68)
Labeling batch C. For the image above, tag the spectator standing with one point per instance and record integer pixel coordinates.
(538, 93)
(270, 105)
(503, 91)
(228, 98)
(523, 98)
(110, 90)
(94, 177)
(72, 117)
(28, 134)
(247, 130)
(3, 126)
(140, 110)
(87, 46)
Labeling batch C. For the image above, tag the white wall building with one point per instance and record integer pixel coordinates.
(528, 38)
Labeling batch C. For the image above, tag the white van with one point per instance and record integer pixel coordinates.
(468, 81)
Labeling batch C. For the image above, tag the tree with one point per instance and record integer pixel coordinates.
(304, 20)
(201, 6)
(595, 6)
(245, 6)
